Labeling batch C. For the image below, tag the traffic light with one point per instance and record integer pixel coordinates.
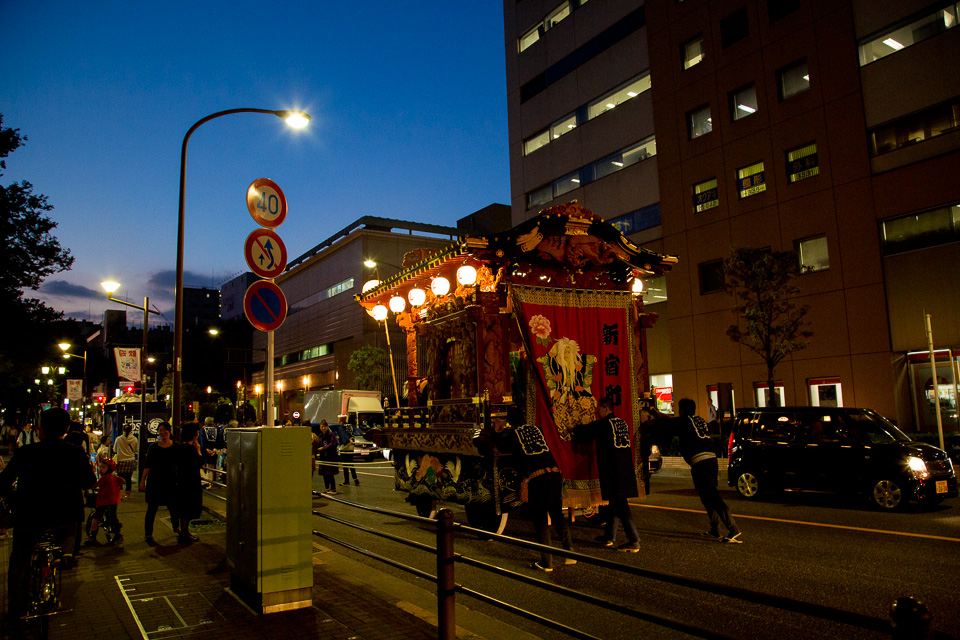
(100, 399)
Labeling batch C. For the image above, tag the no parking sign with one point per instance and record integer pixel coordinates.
(265, 305)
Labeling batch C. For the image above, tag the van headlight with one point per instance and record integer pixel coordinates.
(918, 467)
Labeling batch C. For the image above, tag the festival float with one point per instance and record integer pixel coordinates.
(548, 316)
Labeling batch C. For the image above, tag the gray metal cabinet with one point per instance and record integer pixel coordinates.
(269, 500)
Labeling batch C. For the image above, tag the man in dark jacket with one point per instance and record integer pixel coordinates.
(51, 476)
(618, 477)
(696, 447)
(536, 465)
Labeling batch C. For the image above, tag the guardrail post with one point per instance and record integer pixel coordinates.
(911, 620)
(446, 586)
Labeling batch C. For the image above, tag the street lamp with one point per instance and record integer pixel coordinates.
(297, 120)
(83, 383)
(111, 287)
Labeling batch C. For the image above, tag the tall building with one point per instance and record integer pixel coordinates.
(832, 128)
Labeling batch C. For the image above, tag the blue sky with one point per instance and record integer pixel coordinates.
(409, 121)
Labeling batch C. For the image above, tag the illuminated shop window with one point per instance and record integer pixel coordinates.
(762, 392)
(705, 195)
(803, 163)
(751, 180)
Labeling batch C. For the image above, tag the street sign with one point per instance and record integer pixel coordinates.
(265, 305)
(265, 253)
(266, 203)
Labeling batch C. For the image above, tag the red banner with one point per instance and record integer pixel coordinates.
(581, 345)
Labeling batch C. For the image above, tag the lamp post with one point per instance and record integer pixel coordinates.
(378, 316)
(111, 287)
(296, 119)
(83, 383)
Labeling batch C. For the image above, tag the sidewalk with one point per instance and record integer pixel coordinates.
(173, 590)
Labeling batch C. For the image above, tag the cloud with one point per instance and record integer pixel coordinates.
(70, 290)
(163, 283)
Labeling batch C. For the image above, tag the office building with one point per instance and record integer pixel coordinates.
(831, 128)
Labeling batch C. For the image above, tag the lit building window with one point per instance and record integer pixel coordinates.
(699, 122)
(611, 100)
(744, 102)
(751, 180)
(793, 80)
(566, 184)
(803, 163)
(825, 392)
(705, 195)
(904, 35)
(693, 52)
(541, 196)
(619, 95)
(813, 254)
(639, 220)
(916, 127)
(762, 391)
(534, 33)
(920, 230)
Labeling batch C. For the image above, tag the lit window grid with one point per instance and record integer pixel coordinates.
(569, 122)
(905, 35)
(915, 127)
(534, 33)
(631, 155)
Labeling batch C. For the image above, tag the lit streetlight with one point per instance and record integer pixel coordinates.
(297, 120)
(111, 287)
(83, 383)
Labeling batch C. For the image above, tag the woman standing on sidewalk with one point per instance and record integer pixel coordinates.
(328, 457)
(160, 480)
(189, 488)
(126, 447)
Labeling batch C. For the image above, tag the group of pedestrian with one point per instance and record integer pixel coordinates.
(542, 481)
(171, 478)
(326, 447)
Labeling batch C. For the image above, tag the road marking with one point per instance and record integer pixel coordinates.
(811, 524)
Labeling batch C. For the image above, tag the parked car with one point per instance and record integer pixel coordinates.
(835, 449)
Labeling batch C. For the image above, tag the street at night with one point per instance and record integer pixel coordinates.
(815, 548)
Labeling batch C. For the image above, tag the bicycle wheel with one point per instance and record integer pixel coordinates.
(86, 528)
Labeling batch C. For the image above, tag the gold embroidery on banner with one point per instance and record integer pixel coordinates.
(579, 299)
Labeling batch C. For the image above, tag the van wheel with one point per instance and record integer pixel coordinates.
(748, 486)
(887, 495)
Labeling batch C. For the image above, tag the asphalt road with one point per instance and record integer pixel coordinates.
(817, 549)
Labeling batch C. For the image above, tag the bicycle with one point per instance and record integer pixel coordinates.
(109, 525)
(45, 580)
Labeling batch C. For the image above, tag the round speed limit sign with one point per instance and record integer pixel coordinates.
(266, 203)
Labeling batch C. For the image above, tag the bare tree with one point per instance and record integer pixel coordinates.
(769, 323)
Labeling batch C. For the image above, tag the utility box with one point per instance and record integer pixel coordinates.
(269, 503)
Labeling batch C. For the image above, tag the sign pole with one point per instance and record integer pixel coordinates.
(268, 386)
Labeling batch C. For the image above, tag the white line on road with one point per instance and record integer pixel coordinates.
(812, 524)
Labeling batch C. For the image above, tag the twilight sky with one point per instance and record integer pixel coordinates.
(409, 121)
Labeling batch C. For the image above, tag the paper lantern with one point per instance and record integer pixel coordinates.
(370, 284)
(637, 285)
(466, 275)
(417, 297)
(379, 312)
(440, 286)
(397, 304)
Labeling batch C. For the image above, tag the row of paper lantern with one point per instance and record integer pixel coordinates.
(440, 286)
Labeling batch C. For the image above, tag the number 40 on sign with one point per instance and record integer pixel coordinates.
(266, 203)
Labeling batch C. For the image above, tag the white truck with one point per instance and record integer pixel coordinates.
(362, 408)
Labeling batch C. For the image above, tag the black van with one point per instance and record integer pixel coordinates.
(835, 449)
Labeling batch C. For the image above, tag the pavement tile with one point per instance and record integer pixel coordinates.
(180, 591)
